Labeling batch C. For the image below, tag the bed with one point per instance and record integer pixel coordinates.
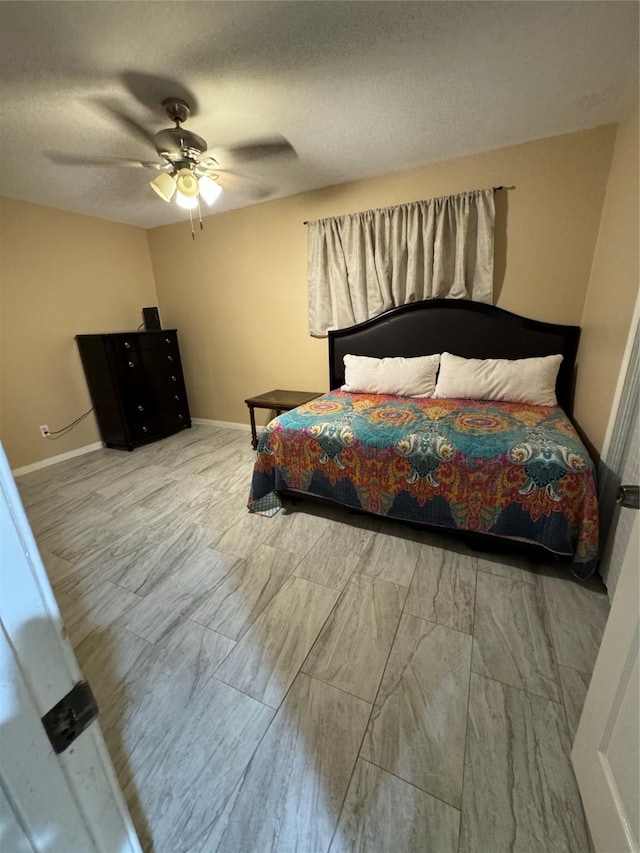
(491, 471)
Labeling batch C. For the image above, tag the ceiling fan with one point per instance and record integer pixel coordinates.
(186, 174)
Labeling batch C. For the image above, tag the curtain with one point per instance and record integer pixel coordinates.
(365, 263)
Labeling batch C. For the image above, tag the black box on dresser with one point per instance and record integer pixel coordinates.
(136, 385)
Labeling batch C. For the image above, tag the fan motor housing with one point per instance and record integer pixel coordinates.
(176, 143)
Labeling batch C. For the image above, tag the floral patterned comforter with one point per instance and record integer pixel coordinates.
(506, 469)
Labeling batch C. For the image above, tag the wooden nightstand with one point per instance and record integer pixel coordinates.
(278, 400)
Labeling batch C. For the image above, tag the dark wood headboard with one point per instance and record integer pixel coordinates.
(461, 327)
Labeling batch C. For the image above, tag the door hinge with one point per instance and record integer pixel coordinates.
(70, 716)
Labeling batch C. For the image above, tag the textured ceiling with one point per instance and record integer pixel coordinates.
(357, 88)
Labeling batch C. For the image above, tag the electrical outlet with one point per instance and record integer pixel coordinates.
(44, 430)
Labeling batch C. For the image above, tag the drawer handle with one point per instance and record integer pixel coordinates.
(173, 378)
(170, 357)
(176, 396)
(180, 416)
(167, 340)
(144, 429)
(127, 345)
(141, 408)
(131, 364)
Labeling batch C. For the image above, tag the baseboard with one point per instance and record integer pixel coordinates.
(53, 460)
(225, 424)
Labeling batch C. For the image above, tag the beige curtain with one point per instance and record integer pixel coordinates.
(363, 264)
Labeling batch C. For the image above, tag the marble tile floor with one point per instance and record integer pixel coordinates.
(316, 681)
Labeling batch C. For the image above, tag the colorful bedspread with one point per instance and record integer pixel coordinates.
(506, 469)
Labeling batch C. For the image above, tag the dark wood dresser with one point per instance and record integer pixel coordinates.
(136, 385)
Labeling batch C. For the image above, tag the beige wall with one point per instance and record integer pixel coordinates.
(238, 293)
(613, 288)
(60, 274)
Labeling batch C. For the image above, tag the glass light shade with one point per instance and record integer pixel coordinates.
(187, 183)
(209, 189)
(186, 201)
(164, 185)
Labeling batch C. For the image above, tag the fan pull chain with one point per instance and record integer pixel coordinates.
(193, 233)
(200, 213)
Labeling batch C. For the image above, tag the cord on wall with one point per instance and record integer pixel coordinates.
(54, 434)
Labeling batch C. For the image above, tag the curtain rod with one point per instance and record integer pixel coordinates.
(495, 189)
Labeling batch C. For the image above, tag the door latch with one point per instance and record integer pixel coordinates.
(70, 716)
(629, 496)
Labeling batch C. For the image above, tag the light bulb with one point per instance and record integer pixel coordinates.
(186, 201)
(209, 189)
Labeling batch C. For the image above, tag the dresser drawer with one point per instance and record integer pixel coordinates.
(158, 359)
(130, 370)
(173, 399)
(177, 419)
(140, 404)
(138, 341)
(147, 428)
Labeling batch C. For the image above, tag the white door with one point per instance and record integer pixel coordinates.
(605, 755)
(55, 803)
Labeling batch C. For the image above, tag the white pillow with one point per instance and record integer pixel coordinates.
(409, 377)
(521, 380)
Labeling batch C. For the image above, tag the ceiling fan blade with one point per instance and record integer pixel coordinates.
(151, 89)
(61, 159)
(233, 182)
(274, 147)
(126, 121)
(207, 166)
